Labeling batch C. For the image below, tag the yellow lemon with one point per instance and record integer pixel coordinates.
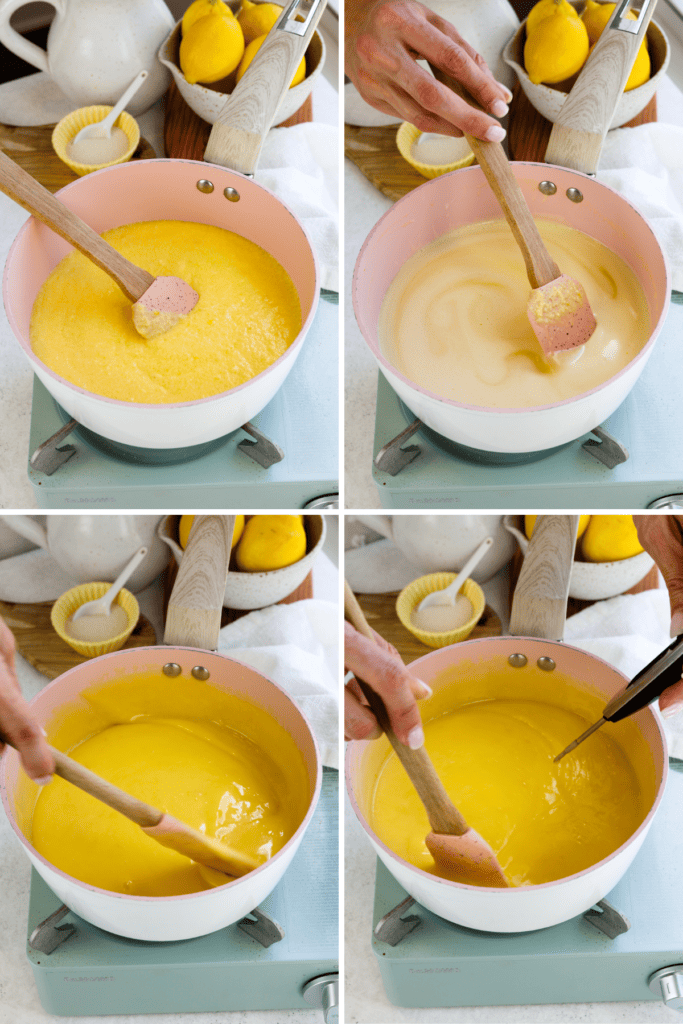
(185, 526)
(557, 49)
(251, 51)
(640, 72)
(530, 521)
(610, 539)
(542, 10)
(200, 9)
(595, 16)
(257, 19)
(271, 542)
(211, 48)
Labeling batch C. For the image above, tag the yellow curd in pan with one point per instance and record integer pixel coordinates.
(544, 821)
(454, 318)
(247, 316)
(207, 775)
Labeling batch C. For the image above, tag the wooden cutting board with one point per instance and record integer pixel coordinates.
(380, 611)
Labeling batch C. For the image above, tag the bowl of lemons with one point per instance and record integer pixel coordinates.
(210, 49)
(549, 49)
(271, 555)
(608, 559)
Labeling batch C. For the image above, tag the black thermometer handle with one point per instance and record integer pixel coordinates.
(663, 671)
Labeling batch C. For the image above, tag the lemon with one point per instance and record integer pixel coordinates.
(251, 51)
(271, 542)
(185, 526)
(200, 8)
(556, 49)
(640, 72)
(610, 539)
(211, 48)
(529, 522)
(257, 19)
(595, 17)
(542, 10)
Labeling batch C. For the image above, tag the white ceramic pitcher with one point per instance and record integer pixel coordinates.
(96, 548)
(95, 48)
(444, 543)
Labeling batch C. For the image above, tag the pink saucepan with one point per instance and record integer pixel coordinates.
(188, 190)
(73, 697)
(517, 666)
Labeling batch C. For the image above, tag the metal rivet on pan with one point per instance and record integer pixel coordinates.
(204, 185)
(231, 193)
(546, 664)
(200, 673)
(575, 195)
(171, 669)
(517, 660)
(548, 188)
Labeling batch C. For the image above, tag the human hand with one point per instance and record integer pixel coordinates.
(15, 718)
(662, 537)
(385, 39)
(380, 666)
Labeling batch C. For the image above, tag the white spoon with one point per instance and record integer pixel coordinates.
(448, 596)
(102, 606)
(102, 129)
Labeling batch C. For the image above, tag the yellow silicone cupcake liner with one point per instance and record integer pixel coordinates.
(67, 604)
(411, 596)
(70, 125)
(407, 136)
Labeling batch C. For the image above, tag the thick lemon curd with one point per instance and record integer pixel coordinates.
(454, 318)
(247, 316)
(544, 821)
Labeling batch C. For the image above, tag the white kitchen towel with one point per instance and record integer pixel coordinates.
(645, 164)
(628, 632)
(301, 166)
(296, 645)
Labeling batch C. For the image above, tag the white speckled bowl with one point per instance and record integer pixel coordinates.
(595, 581)
(251, 590)
(548, 100)
(208, 102)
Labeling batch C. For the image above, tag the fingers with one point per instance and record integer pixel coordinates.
(359, 721)
(671, 700)
(662, 538)
(431, 103)
(23, 733)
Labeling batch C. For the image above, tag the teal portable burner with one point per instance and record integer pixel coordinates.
(628, 947)
(631, 461)
(283, 956)
(286, 457)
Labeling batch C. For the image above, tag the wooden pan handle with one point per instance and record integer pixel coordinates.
(443, 816)
(539, 605)
(29, 193)
(247, 115)
(194, 611)
(540, 266)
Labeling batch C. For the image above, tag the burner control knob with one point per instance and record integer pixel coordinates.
(668, 984)
(671, 501)
(323, 992)
(324, 501)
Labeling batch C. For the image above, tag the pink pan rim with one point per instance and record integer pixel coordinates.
(371, 341)
(295, 345)
(518, 891)
(204, 893)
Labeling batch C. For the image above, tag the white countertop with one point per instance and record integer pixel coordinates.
(364, 205)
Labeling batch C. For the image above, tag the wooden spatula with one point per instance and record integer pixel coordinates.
(159, 302)
(558, 308)
(455, 846)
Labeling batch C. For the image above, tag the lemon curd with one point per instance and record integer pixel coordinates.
(454, 318)
(544, 821)
(247, 316)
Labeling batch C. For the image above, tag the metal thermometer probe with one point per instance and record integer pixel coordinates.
(663, 671)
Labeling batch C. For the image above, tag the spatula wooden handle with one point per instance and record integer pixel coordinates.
(540, 266)
(20, 186)
(443, 816)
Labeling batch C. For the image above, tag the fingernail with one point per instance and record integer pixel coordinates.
(672, 709)
(495, 133)
(43, 731)
(499, 108)
(676, 624)
(508, 94)
(416, 738)
(43, 780)
(426, 690)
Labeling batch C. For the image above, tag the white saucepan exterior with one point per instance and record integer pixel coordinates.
(464, 197)
(530, 907)
(173, 918)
